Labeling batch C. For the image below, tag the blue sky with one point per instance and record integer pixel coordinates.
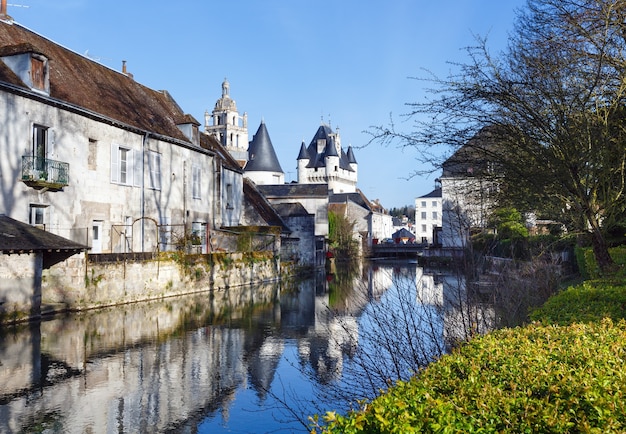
(291, 63)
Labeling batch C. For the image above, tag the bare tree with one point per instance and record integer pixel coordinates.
(554, 101)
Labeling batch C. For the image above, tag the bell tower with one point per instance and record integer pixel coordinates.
(227, 126)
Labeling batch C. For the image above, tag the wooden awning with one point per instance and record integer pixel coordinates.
(21, 238)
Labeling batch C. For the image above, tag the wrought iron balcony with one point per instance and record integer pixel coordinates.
(44, 173)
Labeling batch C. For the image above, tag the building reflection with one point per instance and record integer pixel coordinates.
(157, 366)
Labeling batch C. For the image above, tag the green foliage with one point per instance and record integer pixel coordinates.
(588, 267)
(340, 234)
(534, 379)
(509, 224)
(590, 301)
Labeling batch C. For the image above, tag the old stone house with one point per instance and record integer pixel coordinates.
(94, 156)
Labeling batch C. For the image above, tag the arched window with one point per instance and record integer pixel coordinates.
(234, 120)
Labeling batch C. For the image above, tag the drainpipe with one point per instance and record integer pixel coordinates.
(143, 186)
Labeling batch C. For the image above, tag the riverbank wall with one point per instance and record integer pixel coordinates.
(93, 281)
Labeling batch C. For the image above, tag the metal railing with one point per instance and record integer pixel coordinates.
(45, 171)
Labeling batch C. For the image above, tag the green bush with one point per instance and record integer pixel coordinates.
(588, 267)
(538, 378)
(590, 301)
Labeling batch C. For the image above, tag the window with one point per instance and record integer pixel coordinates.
(434, 215)
(424, 215)
(196, 182)
(40, 142)
(423, 229)
(154, 161)
(229, 196)
(125, 165)
(434, 204)
(92, 154)
(423, 204)
(37, 215)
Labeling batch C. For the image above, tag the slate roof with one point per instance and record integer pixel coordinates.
(294, 190)
(90, 86)
(18, 237)
(324, 132)
(436, 193)
(261, 151)
(472, 159)
(402, 233)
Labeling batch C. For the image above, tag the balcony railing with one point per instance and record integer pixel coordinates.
(44, 173)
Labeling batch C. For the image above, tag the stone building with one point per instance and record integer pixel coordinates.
(93, 155)
(324, 161)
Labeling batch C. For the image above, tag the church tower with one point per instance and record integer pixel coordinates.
(230, 129)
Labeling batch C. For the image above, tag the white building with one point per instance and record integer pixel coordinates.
(92, 155)
(468, 184)
(325, 162)
(428, 215)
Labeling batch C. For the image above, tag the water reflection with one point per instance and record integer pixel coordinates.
(254, 359)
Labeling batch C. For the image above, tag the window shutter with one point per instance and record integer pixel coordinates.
(115, 163)
(137, 168)
(51, 145)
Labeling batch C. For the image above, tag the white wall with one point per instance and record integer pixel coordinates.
(91, 194)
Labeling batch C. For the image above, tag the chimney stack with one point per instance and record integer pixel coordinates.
(123, 62)
(3, 11)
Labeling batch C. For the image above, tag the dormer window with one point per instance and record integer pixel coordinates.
(38, 72)
(30, 66)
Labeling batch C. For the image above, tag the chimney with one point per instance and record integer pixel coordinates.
(3, 11)
(124, 71)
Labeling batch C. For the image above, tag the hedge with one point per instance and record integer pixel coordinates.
(540, 378)
(589, 301)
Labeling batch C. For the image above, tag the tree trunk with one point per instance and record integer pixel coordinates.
(601, 251)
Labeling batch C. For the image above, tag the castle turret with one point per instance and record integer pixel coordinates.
(323, 161)
(263, 166)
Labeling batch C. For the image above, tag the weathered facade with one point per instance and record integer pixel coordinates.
(96, 157)
(468, 187)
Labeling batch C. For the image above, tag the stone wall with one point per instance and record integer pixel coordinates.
(79, 284)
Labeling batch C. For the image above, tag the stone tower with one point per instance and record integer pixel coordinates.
(227, 126)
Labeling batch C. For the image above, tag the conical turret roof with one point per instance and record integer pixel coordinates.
(262, 155)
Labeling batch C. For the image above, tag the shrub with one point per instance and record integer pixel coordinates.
(590, 301)
(534, 379)
(587, 262)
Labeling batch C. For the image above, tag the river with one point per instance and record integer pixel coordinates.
(244, 360)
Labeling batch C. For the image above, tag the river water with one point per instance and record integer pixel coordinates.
(244, 360)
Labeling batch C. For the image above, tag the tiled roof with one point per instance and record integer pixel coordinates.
(91, 86)
(209, 142)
